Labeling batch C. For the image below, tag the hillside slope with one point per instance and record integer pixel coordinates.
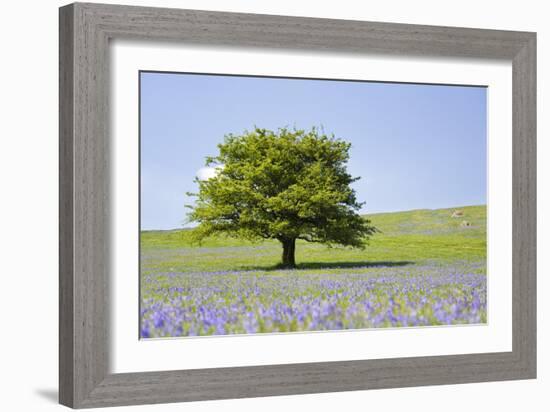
(405, 238)
(468, 221)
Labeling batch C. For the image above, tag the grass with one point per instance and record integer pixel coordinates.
(412, 237)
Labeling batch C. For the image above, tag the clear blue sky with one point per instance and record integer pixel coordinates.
(414, 146)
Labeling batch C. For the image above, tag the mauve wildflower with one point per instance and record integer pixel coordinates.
(188, 304)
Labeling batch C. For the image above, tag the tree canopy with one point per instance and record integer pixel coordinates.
(286, 184)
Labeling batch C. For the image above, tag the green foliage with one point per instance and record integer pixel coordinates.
(284, 185)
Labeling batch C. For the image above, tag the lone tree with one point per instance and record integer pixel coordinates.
(284, 185)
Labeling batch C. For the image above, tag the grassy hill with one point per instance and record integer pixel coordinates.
(433, 221)
(411, 237)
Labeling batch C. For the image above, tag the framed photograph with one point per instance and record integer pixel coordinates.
(257, 205)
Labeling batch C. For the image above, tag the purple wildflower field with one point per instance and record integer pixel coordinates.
(221, 303)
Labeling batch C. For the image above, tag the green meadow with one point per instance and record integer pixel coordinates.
(406, 238)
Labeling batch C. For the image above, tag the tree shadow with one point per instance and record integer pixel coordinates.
(335, 265)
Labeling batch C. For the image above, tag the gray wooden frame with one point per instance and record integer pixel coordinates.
(85, 31)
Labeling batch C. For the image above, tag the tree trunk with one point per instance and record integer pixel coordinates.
(289, 247)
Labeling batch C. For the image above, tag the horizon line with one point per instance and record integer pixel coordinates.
(364, 214)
